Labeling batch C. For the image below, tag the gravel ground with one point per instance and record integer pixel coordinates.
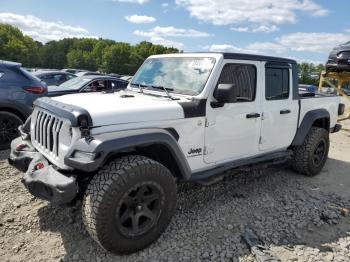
(300, 218)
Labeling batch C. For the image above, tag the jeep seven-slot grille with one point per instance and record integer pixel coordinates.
(46, 131)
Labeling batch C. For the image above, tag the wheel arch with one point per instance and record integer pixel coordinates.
(314, 118)
(157, 144)
(15, 111)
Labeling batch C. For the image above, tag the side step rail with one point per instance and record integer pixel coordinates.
(243, 164)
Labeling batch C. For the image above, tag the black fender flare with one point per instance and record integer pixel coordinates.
(89, 155)
(309, 118)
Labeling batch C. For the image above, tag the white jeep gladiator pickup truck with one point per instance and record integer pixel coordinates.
(183, 117)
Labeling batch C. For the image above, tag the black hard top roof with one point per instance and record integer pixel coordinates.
(253, 57)
(258, 58)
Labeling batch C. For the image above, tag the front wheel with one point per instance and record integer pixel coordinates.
(129, 204)
(310, 157)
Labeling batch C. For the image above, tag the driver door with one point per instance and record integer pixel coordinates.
(233, 130)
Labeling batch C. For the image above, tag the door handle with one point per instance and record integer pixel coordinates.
(284, 111)
(253, 115)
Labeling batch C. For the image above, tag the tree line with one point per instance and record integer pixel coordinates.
(83, 53)
(96, 54)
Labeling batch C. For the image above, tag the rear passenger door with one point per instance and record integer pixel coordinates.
(280, 110)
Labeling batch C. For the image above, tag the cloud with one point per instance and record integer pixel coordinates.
(165, 7)
(166, 42)
(171, 31)
(267, 48)
(226, 48)
(265, 29)
(312, 42)
(141, 2)
(41, 30)
(140, 19)
(258, 29)
(299, 42)
(261, 12)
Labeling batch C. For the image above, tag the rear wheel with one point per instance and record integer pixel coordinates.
(129, 203)
(9, 124)
(311, 156)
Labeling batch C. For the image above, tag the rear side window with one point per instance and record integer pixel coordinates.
(277, 83)
(1, 74)
(243, 76)
(59, 77)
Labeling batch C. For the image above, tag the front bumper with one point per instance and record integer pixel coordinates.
(46, 183)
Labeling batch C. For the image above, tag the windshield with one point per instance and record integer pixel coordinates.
(75, 83)
(184, 75)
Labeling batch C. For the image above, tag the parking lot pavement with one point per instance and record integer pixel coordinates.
(300, 218)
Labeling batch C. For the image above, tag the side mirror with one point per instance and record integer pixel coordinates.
(225, 93)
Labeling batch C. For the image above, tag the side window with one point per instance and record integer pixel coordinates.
(1, 74)
(59, 77)
(276, 83)
(118, 84)
(45, 77)
(243, 76)
(96, 86)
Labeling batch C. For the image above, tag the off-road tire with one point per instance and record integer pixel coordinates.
(107, 190)
(9, 124)
(304, 155)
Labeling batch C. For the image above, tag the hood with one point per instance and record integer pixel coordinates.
(124, 107)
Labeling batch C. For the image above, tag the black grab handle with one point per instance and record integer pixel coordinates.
(253, 115)
(284, 111)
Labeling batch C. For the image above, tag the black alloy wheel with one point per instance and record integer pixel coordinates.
(139, 209)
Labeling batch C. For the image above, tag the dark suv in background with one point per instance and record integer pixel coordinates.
(18, 90)
(339, 58)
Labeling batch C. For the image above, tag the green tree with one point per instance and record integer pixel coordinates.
(309, 73)
(83, 53)
(116, 59)
(14, 46)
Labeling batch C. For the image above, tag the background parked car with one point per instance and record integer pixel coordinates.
(88, 73)
(339, 58)
(18, 90)
(73, 70)
(308, 88)
(54, 77)
(126, 78)
(90, 83)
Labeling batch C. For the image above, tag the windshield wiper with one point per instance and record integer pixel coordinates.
(140, 86)
(166, 89)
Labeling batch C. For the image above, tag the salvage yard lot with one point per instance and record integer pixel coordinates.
(302, 218)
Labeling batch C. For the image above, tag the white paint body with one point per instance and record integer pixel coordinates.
(224, 134)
